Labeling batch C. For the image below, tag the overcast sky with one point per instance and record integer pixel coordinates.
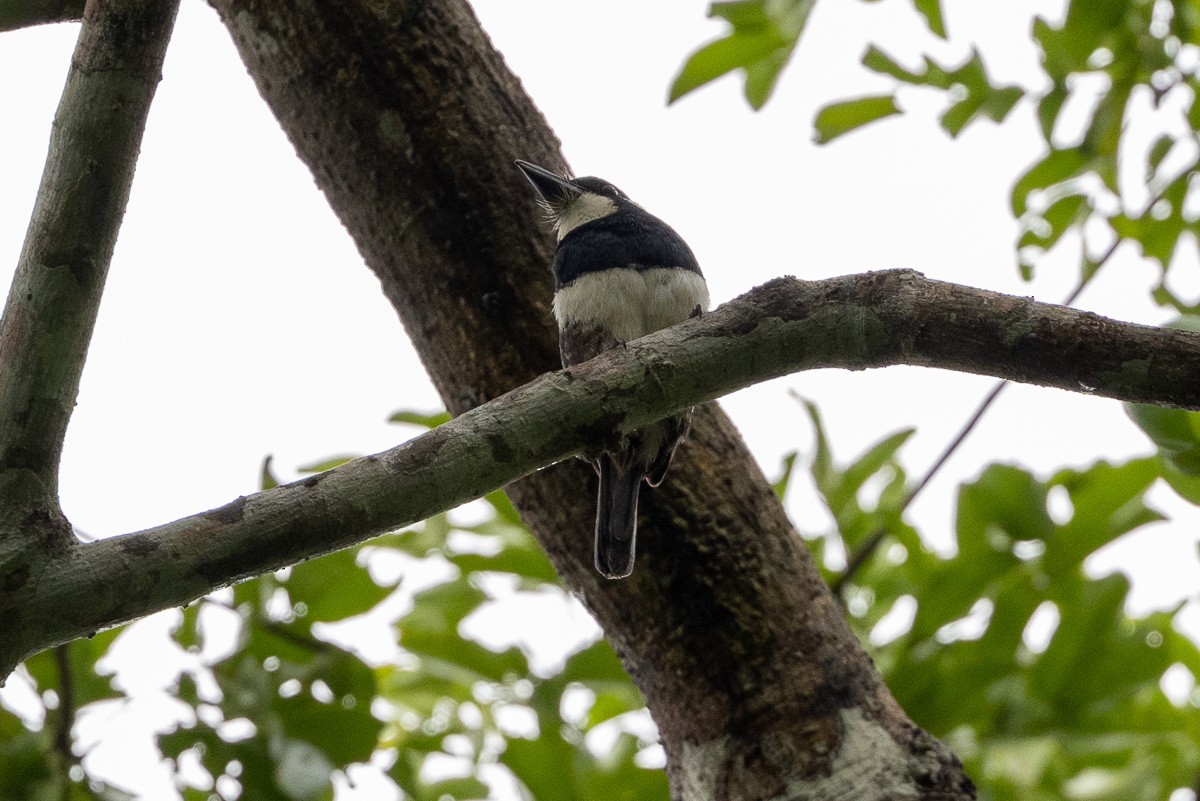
(239, 320)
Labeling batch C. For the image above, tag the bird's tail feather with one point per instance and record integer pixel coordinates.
(616, 518)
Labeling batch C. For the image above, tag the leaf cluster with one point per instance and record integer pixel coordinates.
(1101, 180)
(278, 705)
(1007, 647)
(1027, 665)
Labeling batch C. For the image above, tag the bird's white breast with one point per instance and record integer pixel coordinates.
(631, 303)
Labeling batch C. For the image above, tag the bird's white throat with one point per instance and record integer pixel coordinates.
(583, 209)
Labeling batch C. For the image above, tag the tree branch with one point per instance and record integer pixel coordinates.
(15, 14)
(872, 542)
(55, 294)
(64, 718)
(871, 320)
(410, 121)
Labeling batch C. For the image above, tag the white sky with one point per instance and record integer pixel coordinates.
(239, 320)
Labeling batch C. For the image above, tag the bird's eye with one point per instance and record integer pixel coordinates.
(609, 189)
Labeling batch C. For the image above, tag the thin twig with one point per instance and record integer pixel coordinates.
(281, 631)
(65, 719)
(875, 539)
(871, 544)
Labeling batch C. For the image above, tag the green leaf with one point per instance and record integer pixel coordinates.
(1175, 432)
(440, 609)
(422, 419)
(721, 57)
(423, 690)
(786, 468)
(1158, 151)
(998, 103)
(327, 463)
(872, 461)
(978, 95)
(931, 10)
(88, 684)
(879, 61)
(431, 630)
(340, 735)
(302, 771)
(527, 562)
(763, 75)
(334, 587)
(822, 463)
(1185, 485)
(543, 767)
(1158, 235)
(1185, 322)
(596, 663)
(1055, 168)
(1103, 136)
(1193, 112)
(1108, 502)
(267, 479)
(1049, 107)
(257, 776)
(610, 705)
(840, 487)
(763, 35)
(1061, 215)
(617, 777)
(1088, 25)
(505, 511)
(837, 119)
(741, 14)
(421, 540)
(26, 768)
(464, 788)
(1088, 622)
(1005, 505)
(187, 634)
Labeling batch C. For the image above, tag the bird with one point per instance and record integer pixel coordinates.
(620, 273)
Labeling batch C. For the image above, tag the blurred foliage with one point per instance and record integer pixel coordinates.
(277, 706)
(761, 38)
(1099, 179)
(1031, 669)
(37, 760)
(1028, 667)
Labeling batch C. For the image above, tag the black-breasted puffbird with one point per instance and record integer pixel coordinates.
(619, 273)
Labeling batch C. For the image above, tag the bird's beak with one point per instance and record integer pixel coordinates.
(554, 189)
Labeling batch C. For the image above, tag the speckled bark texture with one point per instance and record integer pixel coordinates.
(57, 589)
(410, 123)
(16, 14)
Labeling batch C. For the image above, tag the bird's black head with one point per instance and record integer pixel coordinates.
(598, 186)
(571, 202)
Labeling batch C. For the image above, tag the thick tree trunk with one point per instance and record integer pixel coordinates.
(411, 122)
